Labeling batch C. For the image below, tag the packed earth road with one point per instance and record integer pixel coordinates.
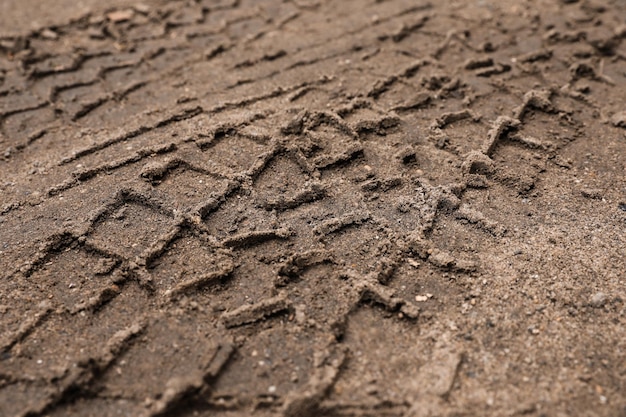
(300, 208)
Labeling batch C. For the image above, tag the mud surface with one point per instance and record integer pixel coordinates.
(303, 208)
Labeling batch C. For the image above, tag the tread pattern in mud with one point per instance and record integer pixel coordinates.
(236, 190)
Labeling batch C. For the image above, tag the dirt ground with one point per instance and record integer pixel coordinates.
(313, 208)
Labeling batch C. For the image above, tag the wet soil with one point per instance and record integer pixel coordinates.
(313, 208)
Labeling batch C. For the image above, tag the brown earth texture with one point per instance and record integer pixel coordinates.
(300, 208)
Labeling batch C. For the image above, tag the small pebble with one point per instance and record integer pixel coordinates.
(619, 119)
(371, 390)
(598, 300)
(592, 193)
(413, 263)
(120, 15)
(49, 34)
(533, 330)
(142, 8)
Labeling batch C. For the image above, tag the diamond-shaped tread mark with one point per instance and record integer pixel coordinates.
(283, 184)
(19, 127)
(543, 131)
(70, 280)
(79, 99)
(460, 137)
(26, 304)
(130, 229)
(14, 397)
(239, 214)
(187, 187)
(305, 219)
(322, 299)
(426, 281)
(356, 246)
(385, 349)
(404, 97)
(272, 363)
(234, 152)
(63, 340)
(405, 209)
(183, 346)
(517, 169)
(193, 260)
(245, 285)
(75, 278)
(326, 145)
